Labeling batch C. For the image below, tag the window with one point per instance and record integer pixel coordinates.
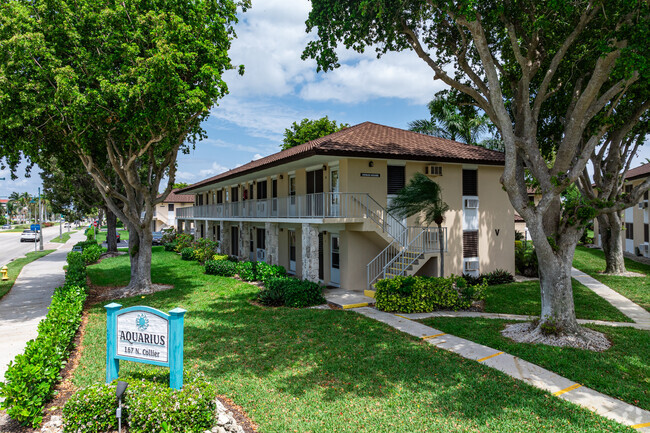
(629, 231)
(218, 232)
(170, 207)
(645, 195)
(200, 200)
(628, 188)
(261, 190)
(250, 191)
(645, 233)
(335, 252)
(234, 192)
(315, 181)
(470, 182)
(274, 188)
(292, 245)
(261, 239)
(470, 244)
(292, 185)
(250, 242)
(396, 178)
(220, 196)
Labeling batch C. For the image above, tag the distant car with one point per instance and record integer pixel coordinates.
(30, 236)
(157, 238)
(6, 227)
(77, 249)
(66, 226)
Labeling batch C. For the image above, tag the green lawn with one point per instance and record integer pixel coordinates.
(525, 298)
(324, 370)
(124, 234)
(622, 371)
(14, 268)
(65, 236)
(637, 289)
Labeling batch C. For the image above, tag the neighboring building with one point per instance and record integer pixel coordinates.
(164, 215)
(319, 209)
(636, 217)
(520, 224)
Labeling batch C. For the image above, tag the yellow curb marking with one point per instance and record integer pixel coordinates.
(488, 357)
(636, 426)
(571, 388)
(426, 337)
(402, 317)
(363, 304)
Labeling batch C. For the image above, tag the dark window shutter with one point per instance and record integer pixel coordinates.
(628, 189)
(234, 194)
(645, 195)
(274, 188)
(220, 196)
(310, 182)
(170, 207)
(629, 231)
(261, 190)
(470, 182)
(646, 237)
(318, 181)
(470, 244)
(321, 257)
(396, 178)
(218, 232)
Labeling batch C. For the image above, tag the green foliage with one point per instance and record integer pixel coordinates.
(224, 268)
(91, 254)
(291, 292)
(187, 253)
(204, 249)
(169, 236)
(218, 257)
(496, 277)
(426, 294)
(265, 272)
(526, 259)
(170, 246)
(309, 130)
(421, 194)
(247, 271)
(147, 404)
(183, 240)
(31, 376)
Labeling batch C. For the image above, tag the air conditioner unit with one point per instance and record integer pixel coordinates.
(471, 203)
(471, 265)
(261, 254)
(643, 205)
(433, 170)
(643, 249)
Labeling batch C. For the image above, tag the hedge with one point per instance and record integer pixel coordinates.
(31, 376)
(291, 292)
(223, 268)
(426, 294)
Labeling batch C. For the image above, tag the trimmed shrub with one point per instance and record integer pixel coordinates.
(147, 404)
(187, 254)
(233, 259)
(91, 254)
(266, 272)
(499, 276)
(218, 257)
(170, 246)
(204, 249)
(247, 271)
(426, 294)
(291, 292)
(183, 240)
(223, 268)
(76, 273)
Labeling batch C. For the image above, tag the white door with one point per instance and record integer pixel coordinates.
(335, 271)
(292, 251)
(334, 189)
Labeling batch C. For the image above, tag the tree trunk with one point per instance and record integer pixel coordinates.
(111, 234)
(140, 255)
(611, 239)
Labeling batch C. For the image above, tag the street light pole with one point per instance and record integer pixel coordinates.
(39, 216)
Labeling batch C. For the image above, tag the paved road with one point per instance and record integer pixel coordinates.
(11, 247)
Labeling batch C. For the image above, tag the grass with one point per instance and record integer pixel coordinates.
(324, 370)
(637, 289)
(14, 268)
(65, 237)
(621, 372)
(524, 298)
(124, 234)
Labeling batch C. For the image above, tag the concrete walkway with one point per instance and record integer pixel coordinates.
(517, 368)
(621, 303)
(26, 304)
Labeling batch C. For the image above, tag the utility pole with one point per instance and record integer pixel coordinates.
(40, 210)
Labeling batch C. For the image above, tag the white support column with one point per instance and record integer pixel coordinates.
(309, 252)
(272, 241)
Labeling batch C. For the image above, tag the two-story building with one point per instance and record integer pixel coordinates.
(165, 213)
(319, 209)
(635, 218)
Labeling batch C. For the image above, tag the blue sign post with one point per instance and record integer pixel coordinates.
(35, 227)
(144, 334)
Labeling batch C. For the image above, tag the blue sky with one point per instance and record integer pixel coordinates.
(278, 88)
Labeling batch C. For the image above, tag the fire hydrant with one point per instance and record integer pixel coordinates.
(4, 273)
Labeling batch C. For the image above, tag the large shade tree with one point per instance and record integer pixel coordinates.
(130, 80)
(511, 57)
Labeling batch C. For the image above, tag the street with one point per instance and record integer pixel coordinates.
(11, 247)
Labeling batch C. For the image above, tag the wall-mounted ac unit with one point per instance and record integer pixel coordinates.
(643, 250)
(433, 170)
(261, 254)
(643, 205)
(471, 203)
(471, 265)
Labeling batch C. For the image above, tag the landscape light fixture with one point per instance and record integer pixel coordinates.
(371, 164)
(121, 387)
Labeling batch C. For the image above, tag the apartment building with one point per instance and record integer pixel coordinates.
(165, 213)
(635, 218)
(319, 209)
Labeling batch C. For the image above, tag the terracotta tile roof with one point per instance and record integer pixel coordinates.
(638, 172)
(518, 218)
(371, 140)
(173, 197)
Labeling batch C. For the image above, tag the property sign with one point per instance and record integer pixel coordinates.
(35, 227)
(369, 174)
(144, 334)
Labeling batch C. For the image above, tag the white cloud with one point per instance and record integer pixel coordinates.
(184, 176)
(215, 169)
(257, 156)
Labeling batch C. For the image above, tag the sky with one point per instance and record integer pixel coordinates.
(278, 88)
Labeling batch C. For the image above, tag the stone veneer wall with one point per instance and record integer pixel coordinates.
(309, 252)
(272, 243)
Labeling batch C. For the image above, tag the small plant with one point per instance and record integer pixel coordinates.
(550, 327)
(183, 240)
(526, 259)
(187, 254)
(247, 271)
(291, 292)
(223, 268)
(204, 249)
(170, 246)
(218, 257)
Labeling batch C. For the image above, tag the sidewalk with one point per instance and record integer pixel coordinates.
(26, 304)
(621, 303)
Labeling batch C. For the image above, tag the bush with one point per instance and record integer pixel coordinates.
(170, 246)
(187, 254)
(426, 294)
(183, 241)
(204, 249)
(233, 259)
(91, 254)
(169, 235)
(526, 259)
(146, 405)
(266, 272)
(498, 276)
(224, 268)
(247, 271)
(291, 292)
(218, 257)
(76, 273)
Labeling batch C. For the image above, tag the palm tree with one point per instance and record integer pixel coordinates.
(451, 120)
(423, 196)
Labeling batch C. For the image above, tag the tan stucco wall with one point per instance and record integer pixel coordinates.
(357, 249)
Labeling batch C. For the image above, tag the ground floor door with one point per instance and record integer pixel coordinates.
(292, 251)
(335, 273)
(234, 241)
